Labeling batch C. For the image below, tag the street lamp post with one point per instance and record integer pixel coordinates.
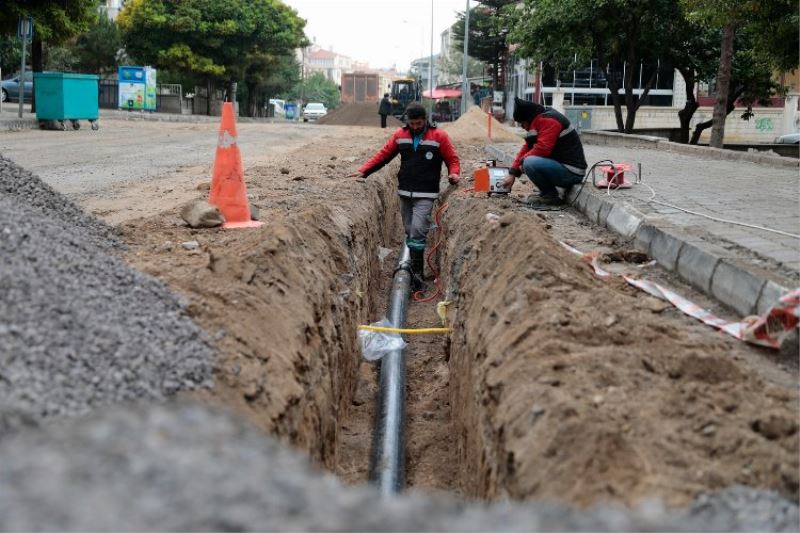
(465, 82)
(430, 66)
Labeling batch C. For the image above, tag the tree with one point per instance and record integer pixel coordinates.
(620, 34)
(269, 76)
(215, 40)
(487, 36)
(98, 50)
(54, 23)
(773, 32)
(452, 66)
(751, 80)
(317, 88)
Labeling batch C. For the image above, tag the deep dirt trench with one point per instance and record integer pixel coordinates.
(554, 384)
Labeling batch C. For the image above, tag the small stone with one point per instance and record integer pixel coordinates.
(610, 320)
(709, 429)
(597, 399)
(190, 245)
(206, 186)
(284, 170)
(201, 214)
(298, 178)
(253, 212)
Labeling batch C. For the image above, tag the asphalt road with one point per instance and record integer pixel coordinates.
(81, 162)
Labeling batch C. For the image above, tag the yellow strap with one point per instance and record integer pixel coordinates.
(410, 331)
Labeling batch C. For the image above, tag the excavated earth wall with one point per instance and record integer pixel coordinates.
(283, 301)
(568, 387)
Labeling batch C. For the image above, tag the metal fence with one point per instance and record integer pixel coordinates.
(169, 96)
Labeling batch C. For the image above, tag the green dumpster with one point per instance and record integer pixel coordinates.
(63, 96)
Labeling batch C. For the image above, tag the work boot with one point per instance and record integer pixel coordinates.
(417, 269)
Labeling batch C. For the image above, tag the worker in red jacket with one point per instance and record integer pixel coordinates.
(552, 155)
(423, 148)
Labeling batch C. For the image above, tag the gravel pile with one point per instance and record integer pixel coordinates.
(24, 188)
(181, 467)
(79, 328)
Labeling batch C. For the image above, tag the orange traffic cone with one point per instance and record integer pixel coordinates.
(228, 191)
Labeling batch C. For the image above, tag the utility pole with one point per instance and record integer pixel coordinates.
(430, 66)
(465, 82)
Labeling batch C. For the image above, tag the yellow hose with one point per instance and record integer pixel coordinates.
(409, 331)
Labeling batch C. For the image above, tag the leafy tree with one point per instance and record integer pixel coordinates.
(317, 88)
(452, 66)
(488, 32)
(269, 77)
(10, 54)
(54, 23)
(772, 28)
(621, 34)
(98, 50)
(751, 80)
(211, 39)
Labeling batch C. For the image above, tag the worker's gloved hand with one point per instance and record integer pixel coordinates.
(453, 179)
(508, 181)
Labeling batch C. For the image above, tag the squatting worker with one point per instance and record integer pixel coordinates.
(552, 155)
(385, 109)
(423, 148)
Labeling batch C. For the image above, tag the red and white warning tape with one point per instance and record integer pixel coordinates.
(768, 329)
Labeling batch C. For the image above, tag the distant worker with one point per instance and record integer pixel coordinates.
(423, 148)
(552, 155)
(385, 109)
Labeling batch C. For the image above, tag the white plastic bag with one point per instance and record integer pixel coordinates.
(375, 344)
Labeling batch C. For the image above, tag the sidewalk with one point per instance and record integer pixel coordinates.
(10, 121)
(745, 268)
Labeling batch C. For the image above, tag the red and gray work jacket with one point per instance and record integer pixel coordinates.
(420, 168)
(551, 135)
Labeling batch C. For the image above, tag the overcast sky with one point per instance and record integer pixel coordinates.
(381, 32)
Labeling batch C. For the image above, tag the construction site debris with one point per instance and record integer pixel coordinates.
(80, 329)
(194, 469)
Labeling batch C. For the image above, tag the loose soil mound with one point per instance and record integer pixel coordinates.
(571, 387)
(472, 128)
(364, 114)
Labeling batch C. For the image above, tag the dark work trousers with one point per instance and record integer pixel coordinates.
(383, 120)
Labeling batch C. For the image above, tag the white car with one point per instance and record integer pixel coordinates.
(789, 138)
(313, 111)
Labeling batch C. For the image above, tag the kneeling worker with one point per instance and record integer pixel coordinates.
(423, 148)
(552, 155)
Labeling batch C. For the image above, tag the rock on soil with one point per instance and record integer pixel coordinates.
(181, 467)
(79, 328)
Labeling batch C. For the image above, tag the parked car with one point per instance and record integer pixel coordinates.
(789, 138)
(9, 89)
(313, 111)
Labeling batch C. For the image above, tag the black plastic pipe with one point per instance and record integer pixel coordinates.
(387, 468)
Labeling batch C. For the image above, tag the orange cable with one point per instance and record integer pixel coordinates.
(418, 296)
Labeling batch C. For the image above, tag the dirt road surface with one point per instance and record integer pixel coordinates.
(554, 384)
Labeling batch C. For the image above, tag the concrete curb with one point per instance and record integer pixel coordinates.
(703, 266)
(610, 138)
(18, 124)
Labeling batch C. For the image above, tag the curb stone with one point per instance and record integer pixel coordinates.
(701, 266)
(611, 138)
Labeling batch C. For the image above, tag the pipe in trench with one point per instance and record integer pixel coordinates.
(387, 466)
